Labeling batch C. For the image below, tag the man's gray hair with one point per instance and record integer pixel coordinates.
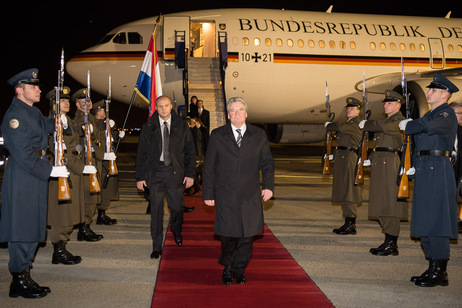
(234, 100)
(455, 104)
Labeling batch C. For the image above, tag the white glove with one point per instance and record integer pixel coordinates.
(331, 156)
(111, 123)
(367, 163)
(64, 121)
(411, 171)
(64, 146)
(403, 123)
(121, 134)
(327, 123)
(109, 156)
(91, 128)
(361, 124)
(89, 169)
(59, 172)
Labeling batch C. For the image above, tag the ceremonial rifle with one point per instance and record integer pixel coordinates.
(405, 164)
(94, 185)
(108, 135)
(63, 184)
(362, 153)
(327, 151)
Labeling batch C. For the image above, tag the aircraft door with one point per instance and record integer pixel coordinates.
(437, 59)
(203, 39)
(173, 24)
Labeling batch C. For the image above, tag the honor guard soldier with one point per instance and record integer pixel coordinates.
(64, 215)
(109, 183)
(385, 162)
(91, 198)
(344, 189)
(457, 106)
(25, 182)
(434, 211)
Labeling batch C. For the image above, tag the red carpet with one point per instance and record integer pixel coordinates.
(190, 276)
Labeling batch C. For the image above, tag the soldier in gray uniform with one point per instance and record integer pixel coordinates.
(344, 190)
(385, 161)
(25, 182)
(434, 208)
(63, 215)
(91, 199)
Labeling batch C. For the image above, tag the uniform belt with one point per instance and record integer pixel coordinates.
(347, 149)
(40, 153)
(434, 153)
(385, 149)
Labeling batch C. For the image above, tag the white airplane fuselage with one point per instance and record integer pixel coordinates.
(279, 61)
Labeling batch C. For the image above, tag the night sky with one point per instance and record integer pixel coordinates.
(33, 33)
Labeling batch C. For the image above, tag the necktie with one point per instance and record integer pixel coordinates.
(200, 112)
(166, 146)
(239, 137)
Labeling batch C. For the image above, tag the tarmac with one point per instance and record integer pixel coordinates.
(118, 272)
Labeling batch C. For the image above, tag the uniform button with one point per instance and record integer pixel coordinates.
(431, 168)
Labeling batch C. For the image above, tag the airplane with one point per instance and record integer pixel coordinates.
(280, 61)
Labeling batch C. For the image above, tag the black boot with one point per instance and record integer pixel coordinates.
(23, 285)
(389, 247)
(424, 274)
(227, 276)
(87, 234)
(63, 256)
(33, 283)
(348, 228)
(437, 276)
(103, 219)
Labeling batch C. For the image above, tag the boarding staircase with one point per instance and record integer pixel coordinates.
(204, 81)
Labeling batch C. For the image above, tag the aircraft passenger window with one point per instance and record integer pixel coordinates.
(383, 46)
(412, 46)
(256, 41)
(279, 42)
(322, 44)
(290, 43)
(332, 44)
(135, 38)
(245, 41)
(342, 44)
(268, 42)
(451, 48)
(459, 48)
(120, 38)
(311, 43)
(422, 47)
(372, 45)
(300, 43)
(392, 46)
(402, 46)
(352, 45)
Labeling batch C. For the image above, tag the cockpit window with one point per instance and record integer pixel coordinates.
(106, 39)
(120, 38)
(135, 38)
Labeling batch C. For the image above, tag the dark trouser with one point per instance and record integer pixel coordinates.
(390, 225)
(350, 209)
(165, 184)
(236, 251)
(21, 255)
(435, 247)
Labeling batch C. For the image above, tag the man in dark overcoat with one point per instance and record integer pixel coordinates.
(237, 153)
(434, 212)
(344, 189)
(457, 106)
(165, 161)
(23, 213)
(385, 161)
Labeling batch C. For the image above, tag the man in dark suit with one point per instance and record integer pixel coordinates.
(434, 208)
(236, 155)
(25, 183)
(165, 161)
(204, 116)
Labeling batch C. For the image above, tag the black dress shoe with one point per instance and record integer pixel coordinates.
(187, 209)
(240, 278)
(227, 276)
(155, 254)
(178, 239)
